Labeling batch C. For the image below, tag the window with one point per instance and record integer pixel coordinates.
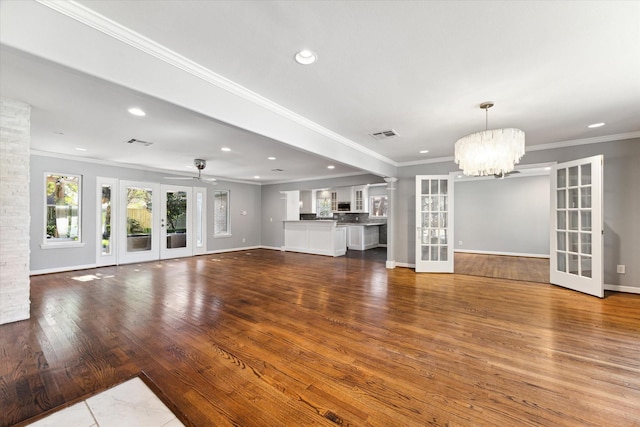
(324, 203)
(221, 213)
(62, 216)
(378, 206)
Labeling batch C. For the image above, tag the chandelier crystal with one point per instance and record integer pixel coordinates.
(490, 152)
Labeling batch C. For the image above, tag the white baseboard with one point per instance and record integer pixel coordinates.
(469, 251)
(220, 251)
(620, 288)
(63, 269)
(404, 264)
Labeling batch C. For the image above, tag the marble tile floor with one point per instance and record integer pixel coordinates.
(130, 404)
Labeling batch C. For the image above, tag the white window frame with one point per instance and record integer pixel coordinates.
(371, 204)
(227, 233)
(56, 243)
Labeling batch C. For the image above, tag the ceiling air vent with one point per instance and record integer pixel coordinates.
(385, 134)
(277, 170)
(137, 141)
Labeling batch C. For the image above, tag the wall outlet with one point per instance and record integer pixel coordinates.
(244, 240)
(459, 242)
(620, 269)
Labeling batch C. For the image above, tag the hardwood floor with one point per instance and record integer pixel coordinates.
(503, 267)
(270, 338)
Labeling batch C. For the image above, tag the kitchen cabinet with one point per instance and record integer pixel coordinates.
(359, 198)
(321, 237)
(363, 237)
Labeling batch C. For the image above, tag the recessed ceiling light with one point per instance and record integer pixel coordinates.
(81, 149)
(271, 158)
(256, 176)
(331, 167)
(596, 125)
(424, 151)
(226, 149)
(137, 112)
(306, 57)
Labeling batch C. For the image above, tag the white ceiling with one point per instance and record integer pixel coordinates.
(420, 68)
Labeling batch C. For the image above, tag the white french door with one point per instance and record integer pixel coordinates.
(176, 222)
(139, 222)
(434, 223)
(576, 241)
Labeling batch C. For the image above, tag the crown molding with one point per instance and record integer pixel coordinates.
(541, 147)
(119, 32)
(584, 141)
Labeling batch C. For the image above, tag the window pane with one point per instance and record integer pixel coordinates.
(139, 219)
(425, 186)
(573, 198)
(443, 253)
(562, 261)
(434, 186)
(585, 220)
(63, 208)
(585, 174)
(378, 206)
(176, 219)
(573, 220)
(574, 264)
(199, 219)
(585, 197)
(562, 220)
(425, 253)
(562, 199)
(585, 266)
(573, 176)
(221, 212)
(585, 243)
(573, 242)
(105, 220)
(562, 241)
(444, 186)
(562, 178)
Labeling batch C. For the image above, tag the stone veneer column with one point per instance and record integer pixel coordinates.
(391, 219)
(15, 141)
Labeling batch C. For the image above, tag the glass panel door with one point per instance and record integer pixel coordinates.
(576, 226)
(176, 222)
(140, 227)
(434, 215)
(107, 197)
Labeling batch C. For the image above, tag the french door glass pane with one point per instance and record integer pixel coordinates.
(561, 178)
(444, 186)
(199, 220)
(585, 220)
(176, 220)
(585, 266)
(139, 219)
(562, 241)
(585, 174)
(562, 220)
(574, 198)
(573, 263)
(562, 261)
(573, 176)
(562, 199)
(585, 197)
(434, 186)
(585, 243)
(105, 220)
(444, 251)
(573, 242)
(573, 220)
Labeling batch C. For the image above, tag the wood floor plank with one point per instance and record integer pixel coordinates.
(267, 338)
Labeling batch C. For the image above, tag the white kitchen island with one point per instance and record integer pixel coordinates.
(319, 237)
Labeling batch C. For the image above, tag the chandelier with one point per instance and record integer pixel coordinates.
(490, 152)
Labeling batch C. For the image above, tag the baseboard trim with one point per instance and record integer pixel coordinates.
(620, 288)
(63, 269)
(527, 255)
(220, 251)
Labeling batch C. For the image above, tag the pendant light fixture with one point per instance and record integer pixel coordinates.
(490, 152)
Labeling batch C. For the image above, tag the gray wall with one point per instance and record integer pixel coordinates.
(273, 206)
(621, 203)
(508, 215)
(243, 197)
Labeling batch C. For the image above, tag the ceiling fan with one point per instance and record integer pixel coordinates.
(200, 164)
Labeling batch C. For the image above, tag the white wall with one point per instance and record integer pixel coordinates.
(504, 216)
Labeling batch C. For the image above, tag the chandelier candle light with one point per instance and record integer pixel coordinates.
(490, 152)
